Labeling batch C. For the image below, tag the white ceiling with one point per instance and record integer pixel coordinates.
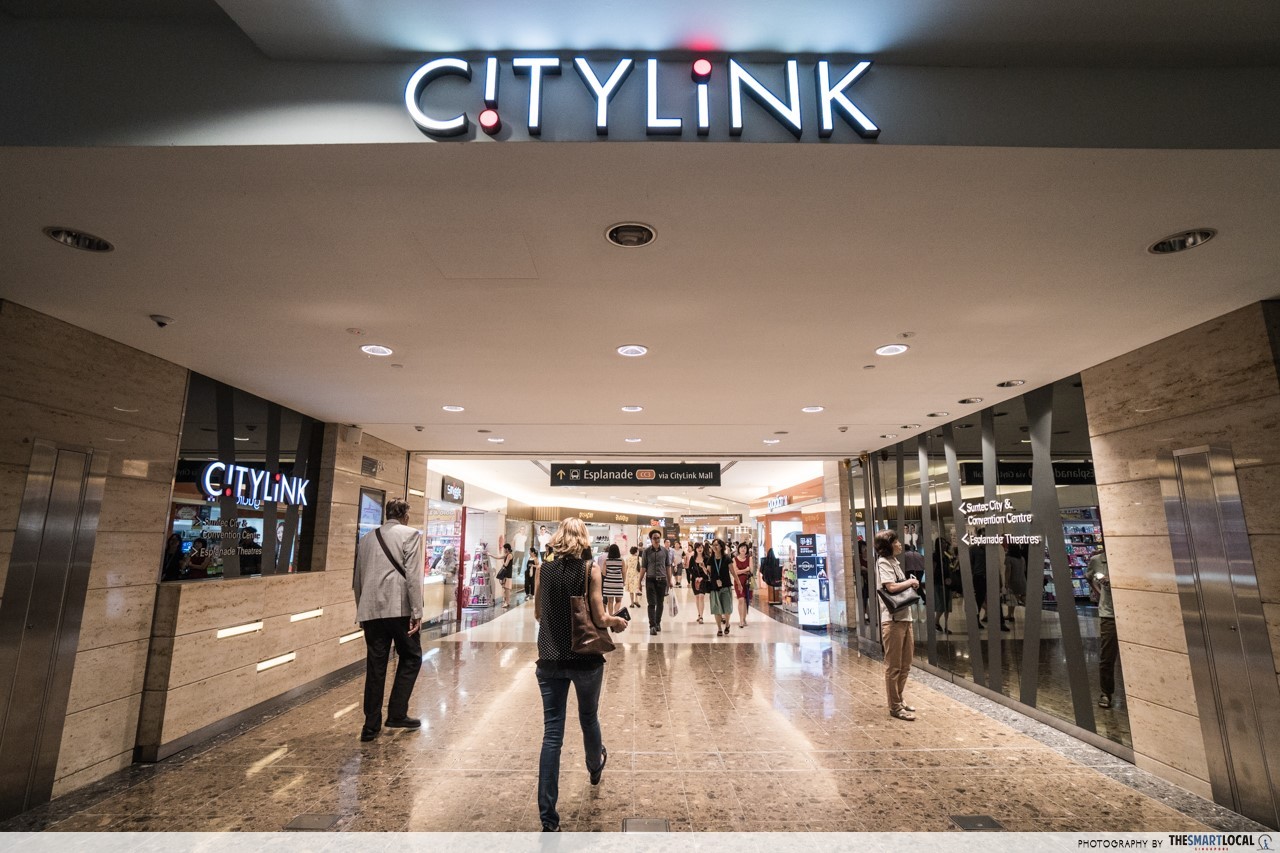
(988, 33)
(776, 272)
(523, 481)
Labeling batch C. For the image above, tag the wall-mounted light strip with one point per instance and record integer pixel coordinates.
(239, 629)
(346, 638)
(310, 614)
(285, 658)
(418, 493)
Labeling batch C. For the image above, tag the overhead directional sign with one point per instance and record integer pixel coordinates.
(665, 476)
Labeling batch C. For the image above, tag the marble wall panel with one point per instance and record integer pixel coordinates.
(144, 453)
(1260, 495)
(289, 594)
(1250, 427)
(1215, 364)
(108, 673)
(13, 482)
(338, 586)
(340, 551)
(1195, 785)
(134, 506)
(1174, 737)
(206, 605)
(1266, 562)
(344, 615)
(164, 622)
(6, 551)
(201, 703)
(42, 355)
(1271, 612)
(91, 774)
(98, 733)
(196, 657)
(126, 559)
(1150, 619)
(279, 635)
(1158, 676)
(1133, 509)
(116, 615)
(1141, 562)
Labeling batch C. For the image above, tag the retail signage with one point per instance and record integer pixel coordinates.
(711, 519)
(812, 586)
(777, 503)
(452, 491)
(672, 87)
(665, 476)
(596, 516)
(994, 513)
(252, 486)
(1019, 473)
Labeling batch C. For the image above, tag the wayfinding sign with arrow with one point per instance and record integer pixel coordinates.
(663, 475)
(994, 513)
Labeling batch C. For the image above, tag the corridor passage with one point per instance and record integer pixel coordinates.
(769, 729)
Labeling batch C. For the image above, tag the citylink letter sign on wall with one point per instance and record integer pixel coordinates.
(252, 486)
(666, 476)
(680, 96)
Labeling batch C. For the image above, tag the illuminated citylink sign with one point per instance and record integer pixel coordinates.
(252, 486)
(680, 96)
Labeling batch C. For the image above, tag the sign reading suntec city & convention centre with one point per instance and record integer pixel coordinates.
(639, 98)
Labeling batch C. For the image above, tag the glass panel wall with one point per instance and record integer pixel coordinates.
(1002, 509)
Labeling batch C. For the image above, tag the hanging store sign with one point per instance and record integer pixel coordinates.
(596, 516)
(1019, 474)
(681, 97)
(777, 503)
(452, 491)
(666, 476)
(252, 486)
(711, 519)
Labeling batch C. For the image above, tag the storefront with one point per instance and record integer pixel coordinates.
(999, 515)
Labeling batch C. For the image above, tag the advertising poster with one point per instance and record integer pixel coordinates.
(812, 585)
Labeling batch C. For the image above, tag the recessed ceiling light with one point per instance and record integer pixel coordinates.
(633, 408)
(375, 349)
(909, 426)
(126, 411)
(77, 239)
(1011, 383)
(889, 435)
(495, 440)
(630, 235)
(939, 414)
(1182, 241)
(970, 401)
(811, 410)
(238, 438)
(892, 349)
(632, 441)
(453, 408)
(632, 350)
(579, 462)
(772, 440)
(1026, 441)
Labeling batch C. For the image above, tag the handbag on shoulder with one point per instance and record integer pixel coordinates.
(895, 601)
(587, 637)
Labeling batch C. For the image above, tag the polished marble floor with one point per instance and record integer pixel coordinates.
(767, 729)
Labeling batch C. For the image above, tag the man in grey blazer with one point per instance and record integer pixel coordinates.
(388, 587)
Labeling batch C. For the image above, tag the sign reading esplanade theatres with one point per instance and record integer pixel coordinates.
(674, 97)
(665, 475)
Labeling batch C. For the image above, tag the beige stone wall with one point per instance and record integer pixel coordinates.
(1216, 383)
(63, 384)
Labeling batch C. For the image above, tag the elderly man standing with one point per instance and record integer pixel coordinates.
(388, 588)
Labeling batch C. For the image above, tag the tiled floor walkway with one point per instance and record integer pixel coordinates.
(770, 730)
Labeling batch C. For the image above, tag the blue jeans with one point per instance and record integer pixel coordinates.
(554, 684)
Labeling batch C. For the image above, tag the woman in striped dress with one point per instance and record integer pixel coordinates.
(613, 588)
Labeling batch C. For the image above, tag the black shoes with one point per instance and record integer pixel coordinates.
(367, 734)
(404, 723)
(604, 759)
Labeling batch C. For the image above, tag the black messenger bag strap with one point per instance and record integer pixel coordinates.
(377, 531)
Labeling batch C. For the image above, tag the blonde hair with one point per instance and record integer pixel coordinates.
(570, 538)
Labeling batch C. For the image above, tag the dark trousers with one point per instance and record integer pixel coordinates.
(980, 594)
(554, 683)
(1108, 654)
(379, 634)
(655, 589)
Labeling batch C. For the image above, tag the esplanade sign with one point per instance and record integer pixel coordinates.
(637, 97)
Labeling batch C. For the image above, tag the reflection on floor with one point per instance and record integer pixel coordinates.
(768, 729)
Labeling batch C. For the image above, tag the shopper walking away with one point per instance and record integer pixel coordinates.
(699, 580)
(504, 574)
(632, 576)
(657, 579)
(941, 583)
(742, 582)
(771, 573)
(388, 590)
(1015, 578)
(720, 572)
(895, 628)
(978, 566)
(1109, 643)
(564, 575)
(913, 565)
(613, 585)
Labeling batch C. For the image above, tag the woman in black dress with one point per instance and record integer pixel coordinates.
(504, 574)
(698, 578)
